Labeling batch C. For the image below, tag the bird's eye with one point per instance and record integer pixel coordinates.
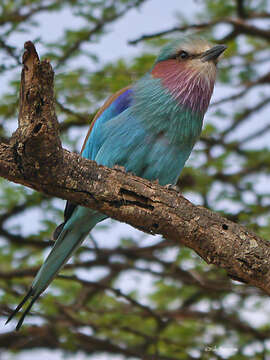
(183, 55)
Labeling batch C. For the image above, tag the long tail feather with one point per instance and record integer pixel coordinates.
(27, 296)
(66, 244)
(20, 322)
(70, 238)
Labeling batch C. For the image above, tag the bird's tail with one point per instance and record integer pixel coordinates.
(69, 239)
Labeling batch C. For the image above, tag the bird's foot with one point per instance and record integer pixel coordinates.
(172, 187)
(119, 168)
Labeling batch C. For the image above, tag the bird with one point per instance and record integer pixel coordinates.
(149, 128)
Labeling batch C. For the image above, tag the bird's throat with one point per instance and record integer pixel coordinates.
(192, 87)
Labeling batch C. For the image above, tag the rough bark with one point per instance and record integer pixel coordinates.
(34, 157)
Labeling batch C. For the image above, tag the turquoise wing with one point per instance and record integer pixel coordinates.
(114, 106)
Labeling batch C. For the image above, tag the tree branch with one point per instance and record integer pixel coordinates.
(239, 26)
(241, 11)
(35, 158)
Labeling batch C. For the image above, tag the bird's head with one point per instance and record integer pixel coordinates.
(187, 69)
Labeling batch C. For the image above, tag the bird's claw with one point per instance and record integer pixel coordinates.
(119, 168)
(172, 187)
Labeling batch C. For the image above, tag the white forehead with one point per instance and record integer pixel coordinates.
(195, 46)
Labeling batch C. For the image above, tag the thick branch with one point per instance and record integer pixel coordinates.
(35, 159)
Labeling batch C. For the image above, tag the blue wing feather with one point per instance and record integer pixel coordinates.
(114, 106)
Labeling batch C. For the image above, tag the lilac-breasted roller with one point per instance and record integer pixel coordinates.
(149, 128)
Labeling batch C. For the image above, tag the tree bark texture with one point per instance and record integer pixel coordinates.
(35, 158)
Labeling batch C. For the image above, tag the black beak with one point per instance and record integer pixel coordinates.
(213, 53)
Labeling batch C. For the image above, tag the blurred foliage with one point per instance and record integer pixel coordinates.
(137, 297)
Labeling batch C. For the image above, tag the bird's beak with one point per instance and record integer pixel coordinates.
(213, 53)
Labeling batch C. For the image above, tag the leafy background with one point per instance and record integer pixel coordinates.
(126, 295)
